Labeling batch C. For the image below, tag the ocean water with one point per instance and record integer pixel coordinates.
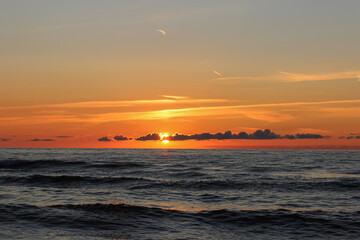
(179, 194)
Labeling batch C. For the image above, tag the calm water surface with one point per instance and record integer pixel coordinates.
(179, 194)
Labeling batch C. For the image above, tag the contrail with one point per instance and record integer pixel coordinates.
(161, 31)
(217, 73)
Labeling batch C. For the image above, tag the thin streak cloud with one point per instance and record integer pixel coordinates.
(217, 73)
(110, 104)
(162, 32)
(283, 76)
(296, 77)
(218, 112)
(175, 97)
(251, 111)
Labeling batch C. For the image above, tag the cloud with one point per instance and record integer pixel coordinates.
(149, 137)
(113, 104)
(300, 77)
(351, 136)
(283, 76)
(175, 97)
(4, 139)
(161, 31)
(104, 139)
(42, 140)
(305, 136)
(312, 130)
(120, 138)
(242, 78)
(257, 135)
(267, 112)
(218, 112)
(217, 73)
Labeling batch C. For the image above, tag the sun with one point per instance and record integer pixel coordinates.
(162, 136)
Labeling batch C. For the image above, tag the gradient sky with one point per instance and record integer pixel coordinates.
(86, 69)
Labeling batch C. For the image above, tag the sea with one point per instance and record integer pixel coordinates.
(179, 194)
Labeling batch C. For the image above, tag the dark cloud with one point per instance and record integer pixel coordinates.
(266, 134)
(120, 138)
(309, 136)
(4, 139)
(353, 137)
(259, 134)
(104, 139)
(42, 140)
(149, 137)
(64, 136)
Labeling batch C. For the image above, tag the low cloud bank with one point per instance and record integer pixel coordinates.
(116, 138)
(104, 139)
(351, 136)
(42, 140)
(120, 138)
(259, 134)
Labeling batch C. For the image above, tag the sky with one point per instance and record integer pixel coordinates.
(78, 73)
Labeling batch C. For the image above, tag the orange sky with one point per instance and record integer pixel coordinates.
(74, 72)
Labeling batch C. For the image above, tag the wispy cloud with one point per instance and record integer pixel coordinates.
(216, 112)
(175, 97)
(312, 130)
(250, 111)
(217, 73)
(64, 136)
(300, 77)
(162, 32)
(267, 112)
(283, 76)
(111, 104)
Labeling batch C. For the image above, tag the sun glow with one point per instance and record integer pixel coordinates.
(163, 137)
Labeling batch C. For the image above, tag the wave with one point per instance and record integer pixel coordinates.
(102, 215)
(336, 185)
(119, 165)
(29, 164)
(16, 163)
(340, 184)
(68, 180)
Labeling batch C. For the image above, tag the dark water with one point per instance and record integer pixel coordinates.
(179, 194)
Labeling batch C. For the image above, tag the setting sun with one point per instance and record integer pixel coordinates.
(163, 137)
